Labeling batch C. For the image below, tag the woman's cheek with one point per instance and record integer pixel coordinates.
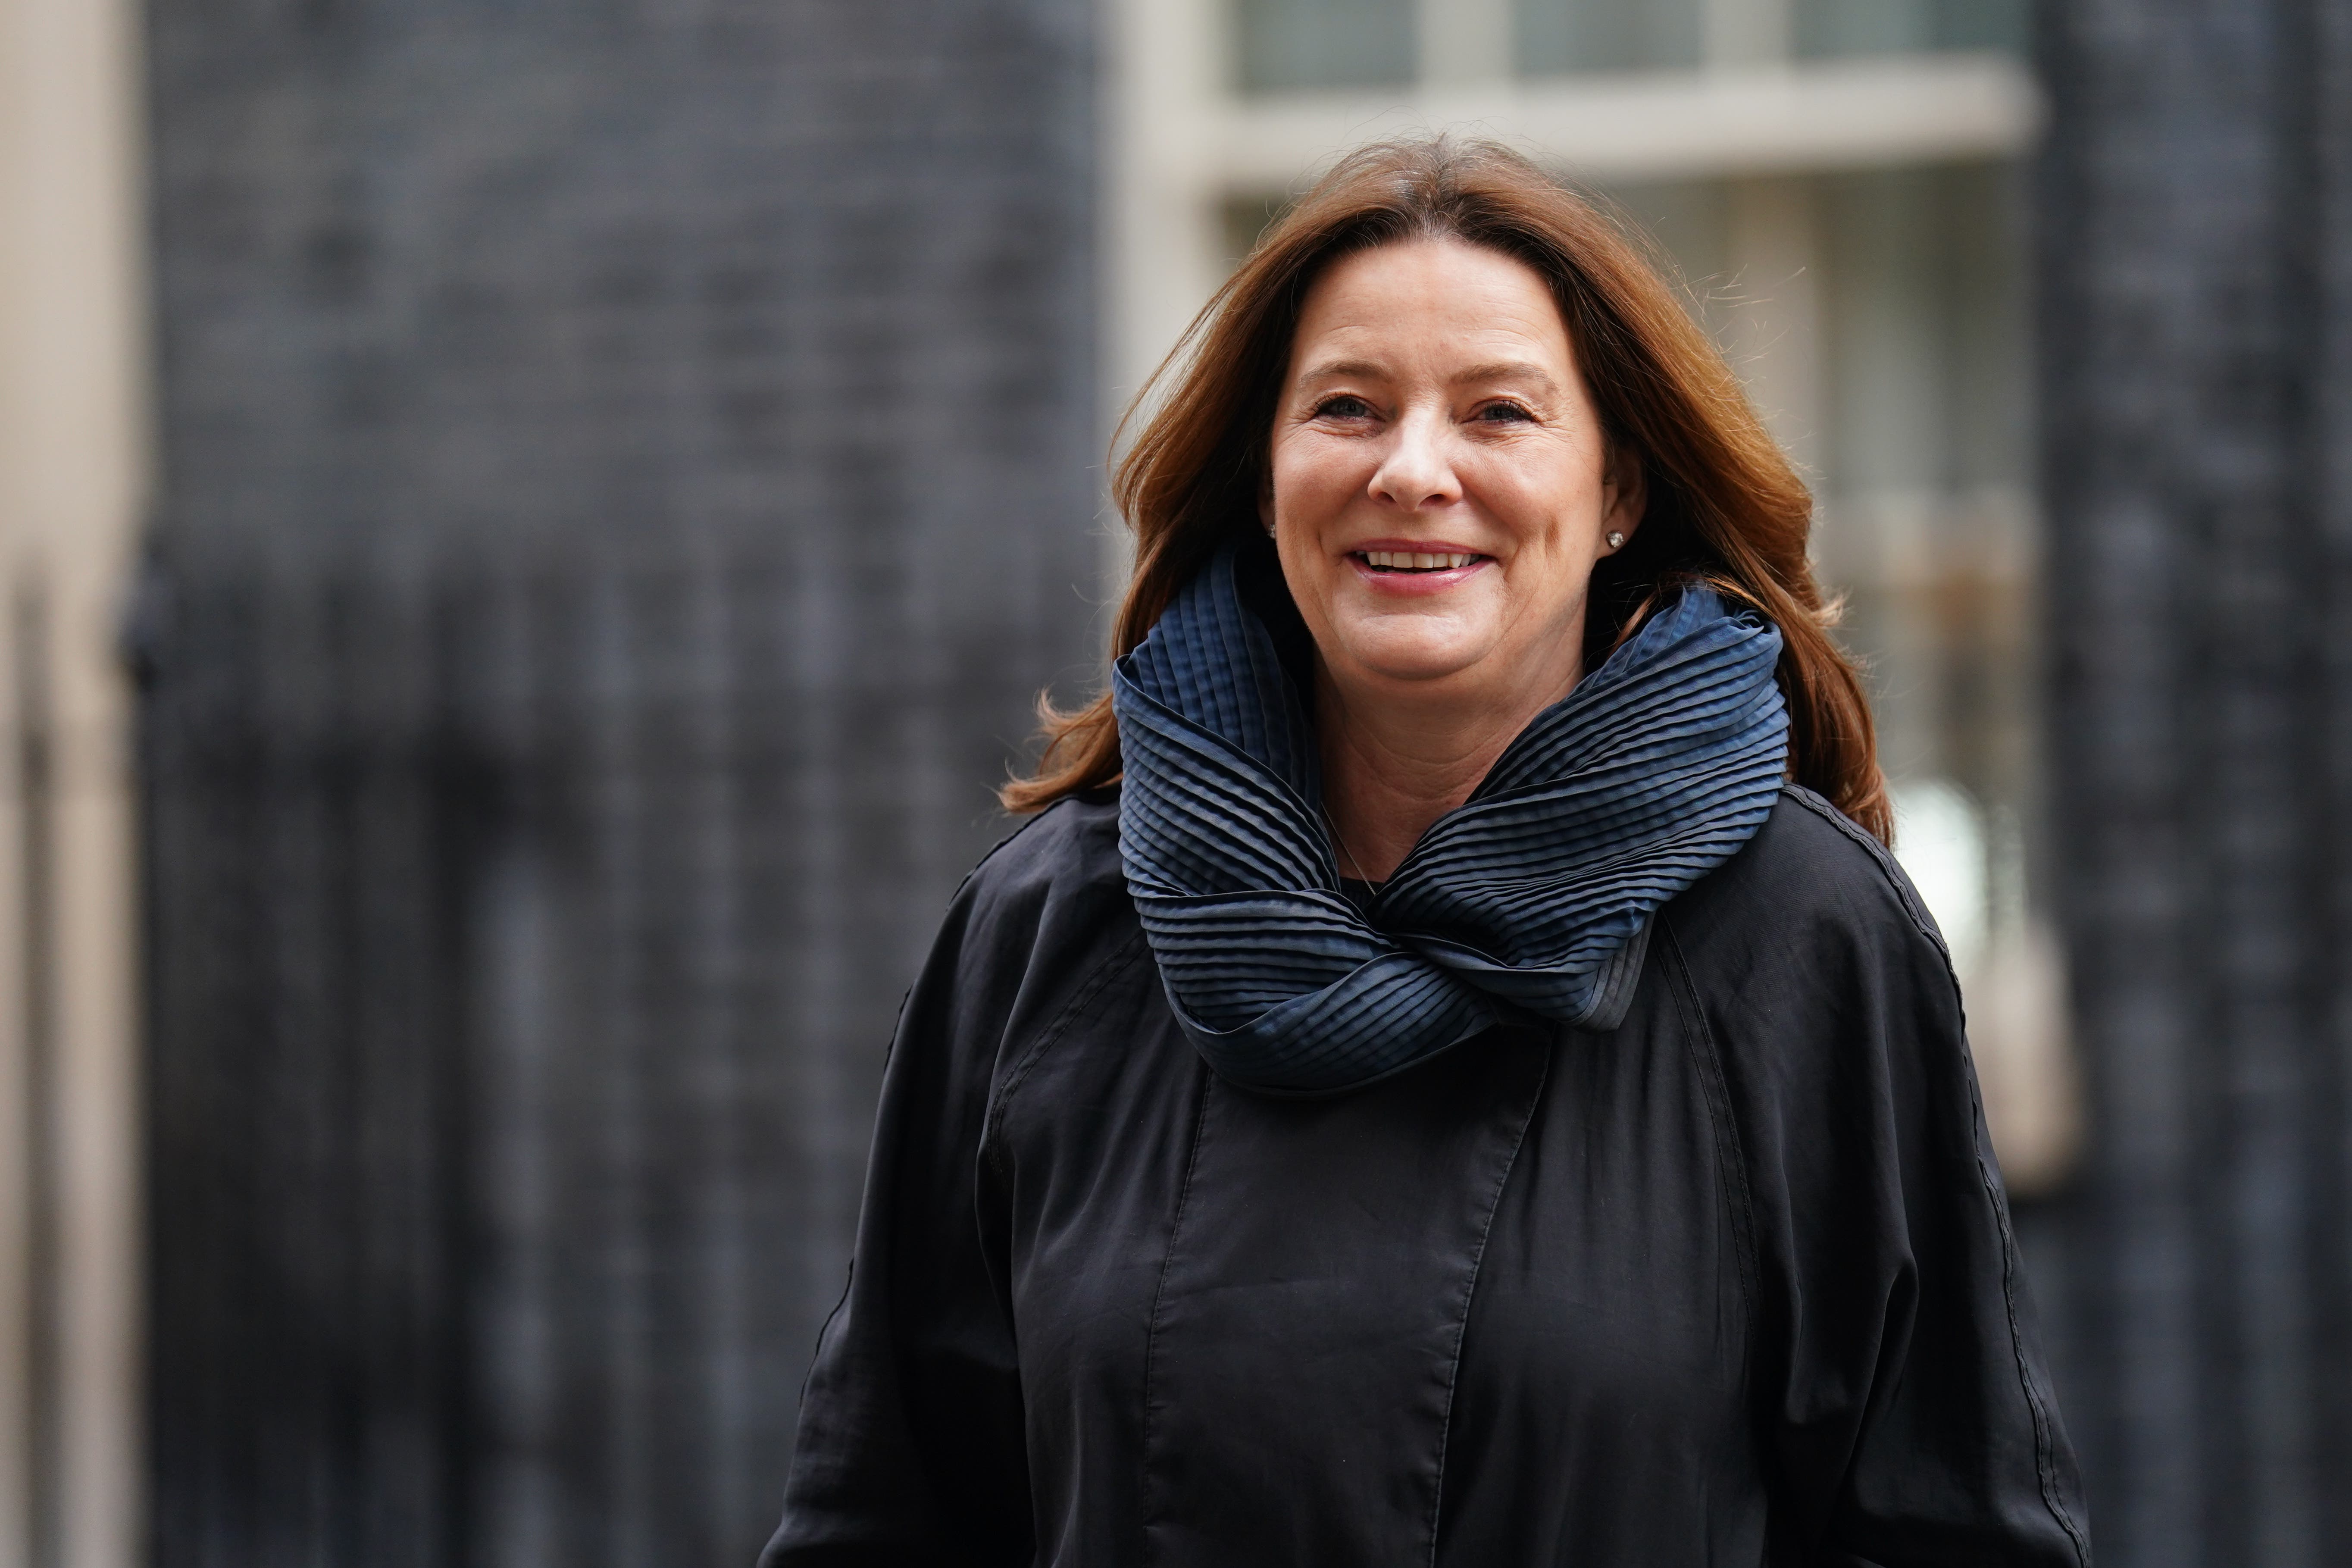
(1319, 487)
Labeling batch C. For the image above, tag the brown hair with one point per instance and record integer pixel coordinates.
(1724, 504)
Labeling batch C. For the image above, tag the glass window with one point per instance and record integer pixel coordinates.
(1878, 320)
(1283, 45)
(1245, 221)
(1923, 476)
(1568, 36)
(1891, 26)
(1686, 227)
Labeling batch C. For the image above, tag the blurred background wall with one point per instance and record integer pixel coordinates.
(625, 472)
(621, 471)
(2196, 263)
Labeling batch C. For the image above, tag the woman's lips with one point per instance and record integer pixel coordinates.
(1399, 568)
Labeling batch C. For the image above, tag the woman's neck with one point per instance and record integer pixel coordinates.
(1392, 767)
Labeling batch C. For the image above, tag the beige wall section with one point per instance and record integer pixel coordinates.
(73, 482)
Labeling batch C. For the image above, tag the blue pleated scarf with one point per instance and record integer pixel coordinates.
(1530, 902)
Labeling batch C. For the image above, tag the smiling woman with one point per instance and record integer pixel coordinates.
(1455, 1075)
(1438, 489)
(1713, 497)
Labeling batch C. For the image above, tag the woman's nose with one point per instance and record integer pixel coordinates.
(1415, 471)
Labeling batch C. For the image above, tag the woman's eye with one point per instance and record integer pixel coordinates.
(1503, 413)
(1343, 406)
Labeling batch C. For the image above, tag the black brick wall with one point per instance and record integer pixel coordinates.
(627, 469)
(2195, 216)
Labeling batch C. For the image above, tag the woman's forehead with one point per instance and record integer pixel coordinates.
(1429, 303)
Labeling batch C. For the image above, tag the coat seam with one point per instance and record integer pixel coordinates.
(1158, 1305)
(1110, 969)
(1730, 1153)
(1470, 1290)
(2045, 1457)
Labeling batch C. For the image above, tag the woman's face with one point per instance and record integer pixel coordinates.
(1440, 486)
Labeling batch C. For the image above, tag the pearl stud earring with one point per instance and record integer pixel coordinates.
(1616, 540)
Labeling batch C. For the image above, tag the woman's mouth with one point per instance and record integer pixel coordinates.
(1387, 561)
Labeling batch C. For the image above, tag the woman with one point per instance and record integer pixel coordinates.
(1451, 1073)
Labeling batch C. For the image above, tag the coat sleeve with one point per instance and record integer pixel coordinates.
(1906, 1409)
(910, 1444)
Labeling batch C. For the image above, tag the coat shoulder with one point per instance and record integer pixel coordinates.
(1046, 909)
(1801, 949)
(1066, 853)
(1809, 870)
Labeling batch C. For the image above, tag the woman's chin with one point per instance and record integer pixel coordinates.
(1415, 661)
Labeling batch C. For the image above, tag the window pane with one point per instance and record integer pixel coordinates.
(1891, 26)
(1687, 231)
(1924, 502)
(1878, 320)
(1983, 25)
(1285, 44)
(1862, 26)
(1564, 36)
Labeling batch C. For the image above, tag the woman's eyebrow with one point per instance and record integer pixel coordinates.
(1495, 369)
(1330, 369)
(1506, 370)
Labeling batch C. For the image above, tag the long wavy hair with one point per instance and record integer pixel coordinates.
(1724, 504)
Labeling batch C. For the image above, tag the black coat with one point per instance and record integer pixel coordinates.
(1731, 1284)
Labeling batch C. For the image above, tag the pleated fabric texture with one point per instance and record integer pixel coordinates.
(1530, 902)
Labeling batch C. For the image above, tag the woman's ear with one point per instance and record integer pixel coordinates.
(1624, 494)
(1265, 498)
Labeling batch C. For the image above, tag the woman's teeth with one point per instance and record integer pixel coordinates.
(1414, 561)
